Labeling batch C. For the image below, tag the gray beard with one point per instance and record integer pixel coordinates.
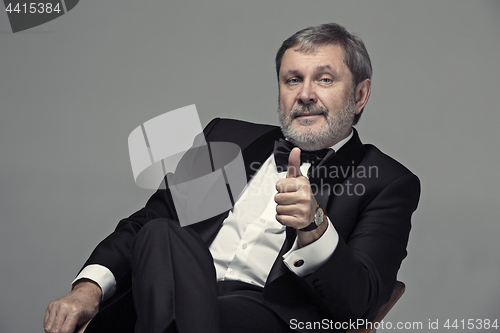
(336, 127)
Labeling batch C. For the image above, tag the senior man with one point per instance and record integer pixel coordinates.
(318, 234)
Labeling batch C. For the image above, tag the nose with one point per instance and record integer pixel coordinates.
(307, 95)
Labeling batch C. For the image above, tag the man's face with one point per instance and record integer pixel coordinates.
(316, 100)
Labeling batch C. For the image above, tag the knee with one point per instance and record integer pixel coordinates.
(150, 238)
(155, 230)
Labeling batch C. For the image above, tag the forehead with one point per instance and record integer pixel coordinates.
(327, 56)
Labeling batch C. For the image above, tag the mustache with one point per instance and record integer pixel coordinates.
(309, 109)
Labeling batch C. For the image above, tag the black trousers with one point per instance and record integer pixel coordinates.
(175, 289)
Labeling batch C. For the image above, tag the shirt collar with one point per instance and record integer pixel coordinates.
(342, 142)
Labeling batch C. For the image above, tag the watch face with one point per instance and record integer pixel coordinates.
(319, 216)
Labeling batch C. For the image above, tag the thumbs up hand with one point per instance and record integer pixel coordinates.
(296, 205)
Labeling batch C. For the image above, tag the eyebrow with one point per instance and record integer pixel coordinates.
(293, 72)
(323, 68)
(318, 69)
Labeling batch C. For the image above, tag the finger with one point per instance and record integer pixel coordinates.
(290, 210)
(290, 198)
(294, 164)
(285, 220)
(286, 186)
(50, 316)
(46, 317)
(290, 194)
(291, 184)
(301, 212)
(284, 199)
(288, 221)
(293, 221)
(58, 322)
(70, 323)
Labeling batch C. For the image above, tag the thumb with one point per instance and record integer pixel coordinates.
(294, 164)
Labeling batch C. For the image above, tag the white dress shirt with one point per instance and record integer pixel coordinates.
(250, 237)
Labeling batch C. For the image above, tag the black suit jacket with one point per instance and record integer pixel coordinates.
(372, 198)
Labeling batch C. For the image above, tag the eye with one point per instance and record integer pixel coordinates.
(326, 80)
(293, 80)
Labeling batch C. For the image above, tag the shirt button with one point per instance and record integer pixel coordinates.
(262, 220)
(298, 262)
(244, 246)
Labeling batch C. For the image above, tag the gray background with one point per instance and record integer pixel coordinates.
(73, 89)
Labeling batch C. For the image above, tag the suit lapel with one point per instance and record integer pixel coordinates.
(337, 169)
(279, 267)
(254, 155)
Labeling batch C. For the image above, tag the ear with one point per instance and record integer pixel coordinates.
(362, 94)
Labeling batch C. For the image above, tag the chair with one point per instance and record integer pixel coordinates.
(398, 291)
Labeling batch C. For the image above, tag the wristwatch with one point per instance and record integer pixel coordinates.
(318, 218)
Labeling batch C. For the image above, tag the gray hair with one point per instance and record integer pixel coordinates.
(355, 55)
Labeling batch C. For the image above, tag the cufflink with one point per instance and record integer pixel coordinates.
(298, 262)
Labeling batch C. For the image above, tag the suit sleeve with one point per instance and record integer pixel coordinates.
(360, 275)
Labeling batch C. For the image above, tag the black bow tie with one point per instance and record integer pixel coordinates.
(282, 149)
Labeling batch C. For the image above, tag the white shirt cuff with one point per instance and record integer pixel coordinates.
(306, 260)
(100, 275)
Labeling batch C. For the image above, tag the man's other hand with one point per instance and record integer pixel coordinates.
(74, 310)
(296, 205)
